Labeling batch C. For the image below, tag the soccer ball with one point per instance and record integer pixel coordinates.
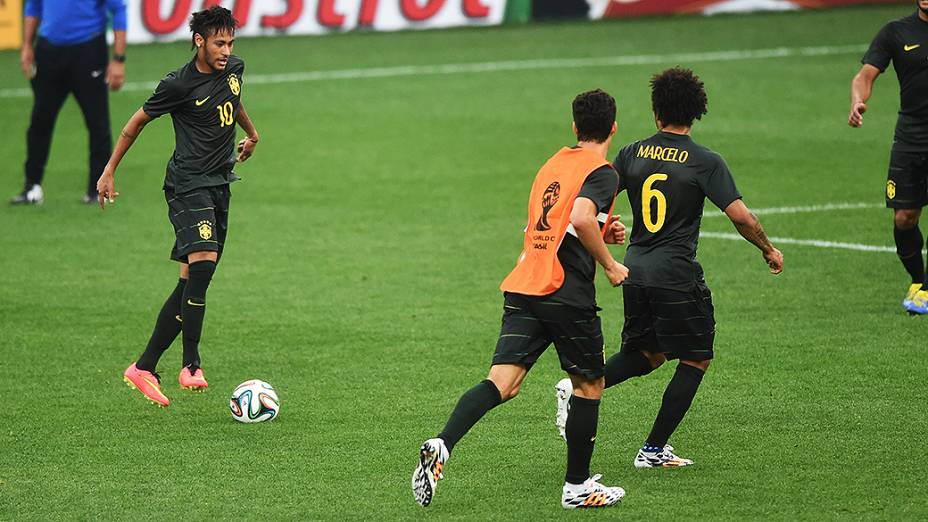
(254, 401)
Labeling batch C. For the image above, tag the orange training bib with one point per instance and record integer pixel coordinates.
(538, 270)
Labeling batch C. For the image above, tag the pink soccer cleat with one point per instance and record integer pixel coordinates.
(146, 382)
(194, 381)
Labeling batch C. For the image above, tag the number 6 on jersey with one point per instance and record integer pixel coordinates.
(647, 194)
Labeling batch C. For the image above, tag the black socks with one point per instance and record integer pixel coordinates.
(193, 309)
(909, 248)
(623, 366)
(581, 434)
(677, 399)
(166, 329)
(473, 405)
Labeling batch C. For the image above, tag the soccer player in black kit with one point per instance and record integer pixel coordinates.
(668, 307)
(204, 100)
(903, 42)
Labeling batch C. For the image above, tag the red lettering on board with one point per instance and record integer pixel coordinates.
(151, 16)
(474, 9)
(327, 15)
(414, 13)
(368, 12)
(291, 15)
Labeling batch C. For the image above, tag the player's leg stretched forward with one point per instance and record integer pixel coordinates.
(503, 383)
(188, 300)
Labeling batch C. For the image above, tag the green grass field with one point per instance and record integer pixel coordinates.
(367, 241)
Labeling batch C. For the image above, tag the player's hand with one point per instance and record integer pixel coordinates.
(615, 231)
(246, 148)
(616, 272)
(115, 75)
(774, 260)
(27, 61)
(856, 117)
(106, 188)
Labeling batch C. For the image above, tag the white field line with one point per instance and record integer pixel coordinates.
(804, 242)
(513, 65)
(805, 209)
(807, 242)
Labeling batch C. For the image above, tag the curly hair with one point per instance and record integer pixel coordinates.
(678, 97)
(210, 21)
(594, 114)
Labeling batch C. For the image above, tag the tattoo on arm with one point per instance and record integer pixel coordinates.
(754, 232)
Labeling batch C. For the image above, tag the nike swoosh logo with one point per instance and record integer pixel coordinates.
(201, 102)
(191, 303)
(910, 47)
(96, 74)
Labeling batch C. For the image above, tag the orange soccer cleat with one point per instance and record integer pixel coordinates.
(192, 381)
(146, 382)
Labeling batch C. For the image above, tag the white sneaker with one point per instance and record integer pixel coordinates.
(563, 389)
(660, 459)
(32, 196)
(432, 457)
(590, 494)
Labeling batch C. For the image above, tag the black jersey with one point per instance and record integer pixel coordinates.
(905, 43)
(667, 178)
(203, 108)
(579, 266)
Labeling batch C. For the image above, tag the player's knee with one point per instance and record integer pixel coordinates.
(589, 388)
(702, 365)
(507, 389)
(511, 392)
(906, 219)
(201, 270)
(656, 359)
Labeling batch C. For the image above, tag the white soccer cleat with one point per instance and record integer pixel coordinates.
(563, 389)
(660, 459)
(432, 458)
(31, 196)
(590, 494)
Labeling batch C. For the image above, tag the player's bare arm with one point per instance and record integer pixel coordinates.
(861, 88)
(750, 228)
(246, 147)
(116, 70)
(583, 218)
(27, 54)
(106, 185)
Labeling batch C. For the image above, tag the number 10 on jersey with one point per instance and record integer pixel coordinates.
(648, 192)
(225, 114)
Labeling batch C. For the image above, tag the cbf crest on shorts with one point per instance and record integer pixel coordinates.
(206, 229)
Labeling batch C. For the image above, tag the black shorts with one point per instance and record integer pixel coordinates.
(907, 182)
(531, 324)
(679, 324)
(200, 218)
